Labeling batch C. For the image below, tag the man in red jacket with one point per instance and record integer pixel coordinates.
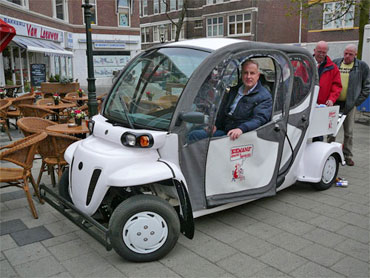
(329, 75)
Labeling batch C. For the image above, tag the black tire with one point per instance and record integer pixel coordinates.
(63, 186)
(329, 173)
(156, 225)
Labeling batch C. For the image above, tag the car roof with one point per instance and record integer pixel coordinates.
(211, 44)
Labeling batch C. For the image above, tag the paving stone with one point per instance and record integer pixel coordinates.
(150, 269)
(235, 219)
(61, 227)
(311, 269)
(43, 267)
(11, 226)
(6, 242)
(12, 214)
(12, 195)
(85, 264)
(295, 227)
(263, 231)
(327, 223)
(355, 233)
(252, 246)
(321, 255)
(289, 241)
(59, 240)
(323, 237)
(64, 275)
(31, 235)
(219, 230)
(355, 219)
(44, 218)
(6, 270)
(188, 264)
(110, 272)
(207, 247)
(270, 272)
(283, 260)
(354, 249)
(25, 254)
(241, 265)
(351, 267)
(70, 249)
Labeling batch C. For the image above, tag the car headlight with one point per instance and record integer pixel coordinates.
(129, 139)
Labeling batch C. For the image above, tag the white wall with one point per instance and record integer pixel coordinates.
(366, 45)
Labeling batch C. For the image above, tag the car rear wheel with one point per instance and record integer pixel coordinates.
(329, 173)
(144, 228)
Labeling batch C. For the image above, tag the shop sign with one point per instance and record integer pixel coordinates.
(28, 29)
(38, 74)
(109, 45)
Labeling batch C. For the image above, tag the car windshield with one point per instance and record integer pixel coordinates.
(147, 92)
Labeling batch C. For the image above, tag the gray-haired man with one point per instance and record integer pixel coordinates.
(355, 77)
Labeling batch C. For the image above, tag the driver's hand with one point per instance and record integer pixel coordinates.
(213, 130)
(234, 133)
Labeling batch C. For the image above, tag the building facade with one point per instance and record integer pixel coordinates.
(262, 20)
(52, 32)
(257, 20)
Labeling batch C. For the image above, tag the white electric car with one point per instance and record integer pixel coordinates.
(137, 181)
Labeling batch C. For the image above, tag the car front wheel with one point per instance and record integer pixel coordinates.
(144, 228)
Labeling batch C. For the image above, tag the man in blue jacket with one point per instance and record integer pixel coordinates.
(245, 108)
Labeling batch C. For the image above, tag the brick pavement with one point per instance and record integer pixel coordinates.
(298, 233)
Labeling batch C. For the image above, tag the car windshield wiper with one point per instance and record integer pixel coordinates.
(123, 103)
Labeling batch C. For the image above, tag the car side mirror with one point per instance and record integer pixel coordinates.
(192, 117)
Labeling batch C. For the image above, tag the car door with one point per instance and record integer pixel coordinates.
(247, 168)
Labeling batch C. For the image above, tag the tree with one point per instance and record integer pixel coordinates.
(344, 7)
(181, 17)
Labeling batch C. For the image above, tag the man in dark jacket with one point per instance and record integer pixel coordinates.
(355, 76)
(245, 108)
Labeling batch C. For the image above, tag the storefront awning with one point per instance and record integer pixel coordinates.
(47, 47)
(7, 32)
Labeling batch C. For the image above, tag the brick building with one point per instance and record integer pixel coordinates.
(52, 32)
(263, 20)
(256, 20)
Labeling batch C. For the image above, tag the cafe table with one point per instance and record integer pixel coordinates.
(11, 90)
(56, 107)
(79, 100)
(70, 128)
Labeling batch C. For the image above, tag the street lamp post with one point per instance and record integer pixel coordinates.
(91, 103)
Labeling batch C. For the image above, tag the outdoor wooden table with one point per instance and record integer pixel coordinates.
(80, 100)
(56, 108)
(11, 90)
(74, 130)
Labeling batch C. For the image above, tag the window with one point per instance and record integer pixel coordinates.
(93, 12)
(163, 6)
(123, 9)
(145, 7)
(198, 24)
(211, 2)
(334, 10)
(60, 9)
(145, 35)
(172, 5)
(240, 24)
(140, 9)
(155, 34)
(173, 32)
(19, 2)
(215, 27)
(156, 6)
(180, 4)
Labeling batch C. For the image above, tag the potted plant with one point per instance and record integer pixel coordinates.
(149, 95)
(78, 115)
(80, 92)
(56, 98)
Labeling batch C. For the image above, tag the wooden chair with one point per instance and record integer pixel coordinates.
(4, 105)
(16, 112)
(30, 94)
(32, 125)
(21, 153)
(52, 153)
(30, 110)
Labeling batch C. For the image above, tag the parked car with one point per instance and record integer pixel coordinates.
(137, 182)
